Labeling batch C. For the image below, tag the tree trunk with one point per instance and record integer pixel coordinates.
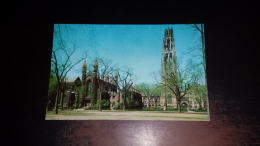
(200, 107)
(123, 98)
(148, 103)
(56, 102)
(62, 100)
(100, 106)
(166, 104)
(124, 103)
(177, 102)
(179, 106)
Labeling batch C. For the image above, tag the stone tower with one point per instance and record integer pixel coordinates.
(84, 70)
(95, 82)
(168, 65)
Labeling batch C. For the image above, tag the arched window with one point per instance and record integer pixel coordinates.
(169, 99)
(88, 89)
(165, 56)
(168, 44)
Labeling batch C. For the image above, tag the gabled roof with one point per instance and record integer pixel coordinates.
(72, 79)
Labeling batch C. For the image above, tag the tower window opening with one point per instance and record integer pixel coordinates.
(165, 56)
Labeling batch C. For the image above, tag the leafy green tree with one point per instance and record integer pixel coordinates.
(149, 91)
(180, 81)
(52, 91)
(52, 85)
(80, 91)
(200, 92)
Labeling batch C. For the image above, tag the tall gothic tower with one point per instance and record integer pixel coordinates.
(84, 70)
(168, 65)
(95, 82)
(168, 53)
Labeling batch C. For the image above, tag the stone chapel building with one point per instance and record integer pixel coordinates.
(90, 93)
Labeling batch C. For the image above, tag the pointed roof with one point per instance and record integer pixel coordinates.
(72, 79)
(96, 63)
(84, 64)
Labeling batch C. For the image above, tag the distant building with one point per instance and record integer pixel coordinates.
(153, 102)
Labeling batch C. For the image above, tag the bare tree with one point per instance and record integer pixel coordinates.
(104, 69)
(201, 46)
(61, 64)
(124, 83)
(202, 54)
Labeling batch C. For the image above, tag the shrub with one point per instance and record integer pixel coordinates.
(95, 105)
(120, 105)
(75, 105)
(105, 103)
(113, 103)
(59, 106)
(131, 104)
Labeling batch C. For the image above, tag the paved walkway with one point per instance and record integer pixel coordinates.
(127, 115)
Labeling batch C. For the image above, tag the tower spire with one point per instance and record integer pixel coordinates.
(84, 70)
(168, 52)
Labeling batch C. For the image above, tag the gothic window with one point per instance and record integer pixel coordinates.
(88, 89)
(170, 57)
(165, 56)
(168, 44)
(169, 99)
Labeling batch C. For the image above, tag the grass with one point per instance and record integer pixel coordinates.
(69, 112)
(198, 110)
(190, 118)
(170, 117)
(141, 109)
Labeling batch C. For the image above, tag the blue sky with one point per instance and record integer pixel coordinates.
(138, 47)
